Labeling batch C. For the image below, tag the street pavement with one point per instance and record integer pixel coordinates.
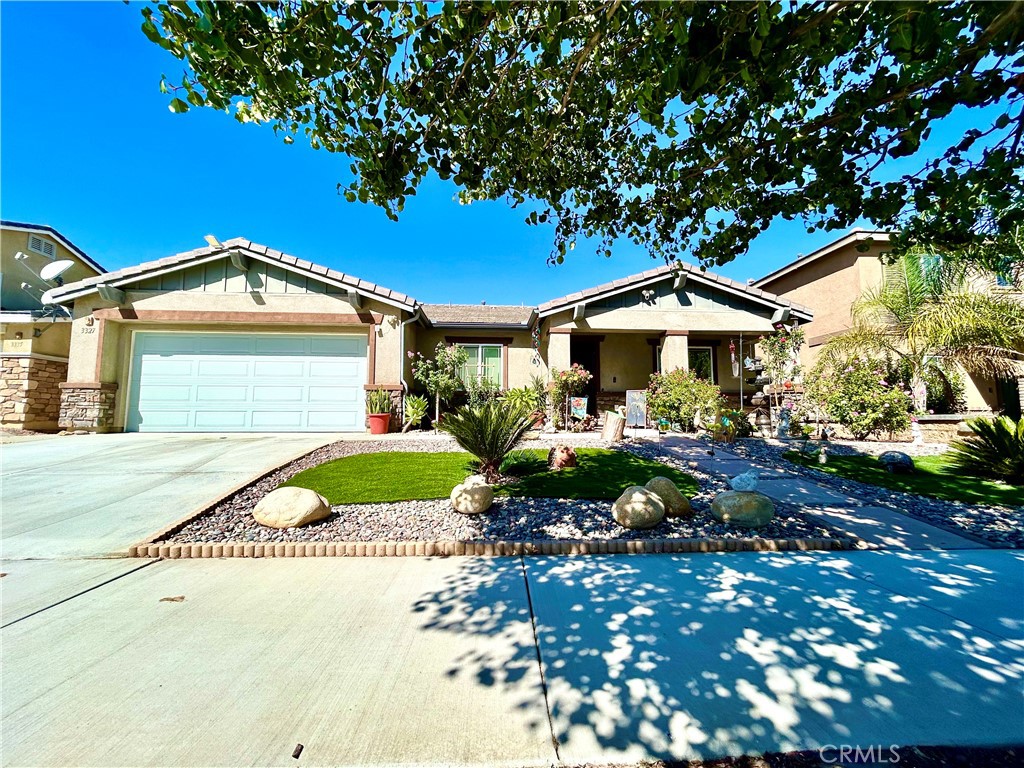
(439, 661)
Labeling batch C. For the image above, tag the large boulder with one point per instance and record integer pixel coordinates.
(472, 496)
(896, 462)
(747, 509)
(676, 505)
(638, 507)
(291, 507)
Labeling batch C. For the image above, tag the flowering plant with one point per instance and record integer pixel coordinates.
(858, 396)
(565, 384)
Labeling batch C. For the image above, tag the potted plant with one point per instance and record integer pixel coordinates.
(378, 407)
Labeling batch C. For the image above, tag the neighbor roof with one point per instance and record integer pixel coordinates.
(853, 236)
(209, 253)
(661, 273)
(21, 226)
(479, 316)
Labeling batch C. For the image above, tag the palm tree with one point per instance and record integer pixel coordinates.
(927, 311)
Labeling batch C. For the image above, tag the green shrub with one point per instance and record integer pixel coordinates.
(378, 401)
(480, 393)
(415, 409)
(858, 396)
(523, 397)
(996, 449)
(944, 385)
(489, 432)
(681, 398)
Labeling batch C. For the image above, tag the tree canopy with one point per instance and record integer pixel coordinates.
(678, 126)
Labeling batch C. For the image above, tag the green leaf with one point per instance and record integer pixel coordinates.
(178, 106)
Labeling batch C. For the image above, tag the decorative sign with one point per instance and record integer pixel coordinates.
(636, 407)
(578, 407)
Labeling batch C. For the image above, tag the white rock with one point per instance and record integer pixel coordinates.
(472, 498)
(745, 482)
(290, 508)
(475, 480)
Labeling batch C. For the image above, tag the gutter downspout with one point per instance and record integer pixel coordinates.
(401, 346)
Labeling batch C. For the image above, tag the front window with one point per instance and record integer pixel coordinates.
(701, 364)
(483, 364)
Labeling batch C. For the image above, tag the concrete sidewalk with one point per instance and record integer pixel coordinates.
(435, 661)
(878, 527)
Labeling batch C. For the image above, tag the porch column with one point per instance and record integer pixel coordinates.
(674, 351)
(558, 349)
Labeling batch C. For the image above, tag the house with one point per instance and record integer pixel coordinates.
(34, 340)
(829, 281)
(240, 337)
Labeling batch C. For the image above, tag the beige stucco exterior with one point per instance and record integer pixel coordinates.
(831, 280)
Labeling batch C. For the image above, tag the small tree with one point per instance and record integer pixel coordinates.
(440, 375)
(780, 353)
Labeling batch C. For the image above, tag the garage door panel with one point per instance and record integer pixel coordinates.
(227, 368)
(269, 394)
(279, 369)
(166, 366)
(277, 420)
(247, 382)
(212, 393)
(221, 419)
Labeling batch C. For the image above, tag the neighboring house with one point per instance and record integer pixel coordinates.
(829, 281)
(34, 340)
(239, 337)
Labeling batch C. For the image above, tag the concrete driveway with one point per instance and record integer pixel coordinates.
(388, 661)
(96, 495)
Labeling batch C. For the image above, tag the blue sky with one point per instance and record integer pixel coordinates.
(89, 147)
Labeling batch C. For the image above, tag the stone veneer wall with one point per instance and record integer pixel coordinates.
(87, 406)
(29, 392)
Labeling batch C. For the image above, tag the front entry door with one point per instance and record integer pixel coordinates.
(586, 350)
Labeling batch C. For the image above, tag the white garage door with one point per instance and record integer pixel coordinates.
(240, 382)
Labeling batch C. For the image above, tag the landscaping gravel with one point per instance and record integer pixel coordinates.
(1000, 525)
(510, 519)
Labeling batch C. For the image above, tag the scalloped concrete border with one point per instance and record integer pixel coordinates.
(479, 548)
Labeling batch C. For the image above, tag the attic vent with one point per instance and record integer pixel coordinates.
(44, 247)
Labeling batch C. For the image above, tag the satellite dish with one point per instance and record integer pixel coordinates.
(55, 269)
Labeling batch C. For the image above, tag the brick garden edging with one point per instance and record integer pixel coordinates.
(479, 548)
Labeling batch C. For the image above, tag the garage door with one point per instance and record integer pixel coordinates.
(227, 382)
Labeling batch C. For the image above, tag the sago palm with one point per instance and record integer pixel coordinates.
(925, 312)
(996, 449)
(490, 431)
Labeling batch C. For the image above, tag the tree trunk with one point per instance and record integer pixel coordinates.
(437, 410)
(919, 393)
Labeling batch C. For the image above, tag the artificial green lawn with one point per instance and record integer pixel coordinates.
(934, 477)
(397, 476)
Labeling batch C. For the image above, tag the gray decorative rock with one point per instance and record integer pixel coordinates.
(638, 507)
(290, 508)
(745, 482)
(896, 462)
(472, 498)
(747, 509)
(676, 505)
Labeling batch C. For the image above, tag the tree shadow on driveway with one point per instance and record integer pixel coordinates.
(698, 656)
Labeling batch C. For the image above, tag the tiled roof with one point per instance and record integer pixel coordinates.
(660, 273)
(46, 229)
(478, 315)
(140, 271)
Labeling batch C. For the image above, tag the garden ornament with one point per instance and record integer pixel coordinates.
(745, 482)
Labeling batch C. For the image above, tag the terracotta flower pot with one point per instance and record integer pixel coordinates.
(379, 423)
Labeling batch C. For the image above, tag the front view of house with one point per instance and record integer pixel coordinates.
(238, 337)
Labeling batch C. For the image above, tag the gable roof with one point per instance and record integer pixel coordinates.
(479, 316)
(664, 272)
(240, 245)
(853, 236)
(21, 226)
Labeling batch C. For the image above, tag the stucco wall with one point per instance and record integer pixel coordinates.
(626, 362)
(12, 274)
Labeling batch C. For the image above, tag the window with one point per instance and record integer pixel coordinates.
(702, 363)
(43, 247)
(483, 364)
